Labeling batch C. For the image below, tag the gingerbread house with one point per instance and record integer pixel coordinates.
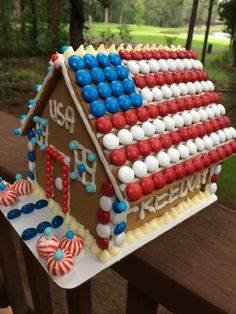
(117, 137)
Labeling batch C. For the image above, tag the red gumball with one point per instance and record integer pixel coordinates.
(221, 122)
(198, 163)
(181, 104)
(180, 54)
(175, 137)
(184, 134)
(217, 97)
(147, 55)
(197, 101)
(156, 54)
(140, 81)
(180, 171)
(185, 76)
(214, 178)
(165, 54)
(159, 180)
(103, 243)
(118, 121)
(193, 131)
(189, 103)
(206, 159)
(177, 77)
(208, 126)
(221, 152)
(153, 111)
(173, 107)
(142, 114)
(160, 79)
(54, 57)
(233, 145)
(156, 144)
(132, 152)
(150, 80)
(227, 121)
(118, 157)
(205, 100)
(194, 77)
(134, 191)
(228, 150)
(147, 185)
(130, 117)
(136, 55)
(107, 188)
(166, 141)
(189, 167)
(126, 55)
(170, 175)
(215, 124)
(169, 78)
(163, 109)
(214, 155)
(201, 129)
(103, 217)
(144, 148)
(103, 125)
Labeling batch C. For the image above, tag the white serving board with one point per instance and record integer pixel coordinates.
(87, 265)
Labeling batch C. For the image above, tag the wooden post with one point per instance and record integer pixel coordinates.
(207, 31)
(79, 299)
(191, 25)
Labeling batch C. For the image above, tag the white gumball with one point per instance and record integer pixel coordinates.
(205, 86)
(173, 154)
(139, 168)
(144, 67)
(175, 90)
(200, 144)
(151, 163)
(125, 137)
(179, 120)
(208, 142)
(228, 134)
(183, 151)
(233, 132)
(210, 112)
(210, 86)
(163, 65)
(169, 123)
(166, 92)
(218, 169)
(216, 110)
(172, 66)
(191, 88)
(147, 94)
(104, 231)
(192, 147)
(222, 109)
(180, 64)
(212, 187)
(221, 136)
(106, 203)
(148, 128)
(199, 65)
(159, 126)
(187, 64)
(110, 141)
(153, 65)
(163, 159)
(203, 114)
(187, 118)
(133, 67)
(215, 138)
(126, 174)
(137, 132)
(195, 116)
(198, 86)
(157, 94)
(183, 89)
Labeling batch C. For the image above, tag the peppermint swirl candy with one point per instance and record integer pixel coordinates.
(22, 187)
(72, 243)
(8, 197)
(47, 245)
(59, 263)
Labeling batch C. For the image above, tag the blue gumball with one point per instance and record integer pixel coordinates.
(64, 48)
(90, 60)
(103, 60)
(104, 90)
(124, 102)
(76, 63)
(97, 75)
(110, 74)
(129, 86)
(89, 93)
(82, 77)
(115, 59)
(117, 88)
(97, 108)
(111, 105)
(122, 72)
(136, 100)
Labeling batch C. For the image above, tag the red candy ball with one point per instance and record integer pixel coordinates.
(131, 117)
(155, 144)
(206, 159)
(214, 178)
(189, 103)
(107, 188)
(160, 79)
(134, 191)
(54, 57)
(215, 124)
(103, 243)
(233, 145)
(156, 55)
(146, 54)
(144, 148)
(175, 137)
(159, 180)
(201, 130)
(147, 185)
(103, 217)
(180, 171)
(169, 78)
(153, 111)
(143, 114)
(118, 121)
(181, 104)
(126, 55)
(132, 152)
(140, 81)
(118, 157)
(198, 163)
(214, 155)
(177, 77)
(163, 109)
(136, 55)
(170, 175)
(103, 125)
(228, 150)
(150, 80)
(193, 131)
(189, 167)
(173, 107)
(208, 126)
(221, 152)
(166, 141)
(184, 134)
(197, 101)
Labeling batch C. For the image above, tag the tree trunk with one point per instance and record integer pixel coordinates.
(18, 8)
(234, 52)
(34, 29)
(106, 15)
(53, 17)
(22, 3)
(191, 25)
(90, 21)
(207, 31)
(76, 23)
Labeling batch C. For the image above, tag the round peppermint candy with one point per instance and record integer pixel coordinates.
(72, 243)
(47, 244)
(60, 263)
(8, 197)
(22, 187)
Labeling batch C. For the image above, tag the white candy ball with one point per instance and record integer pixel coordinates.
(179, 120)
(205, 86)
(171, 65)
(30, 146)
(151, 163)
(216, 110)
(166, 92)
(163, 65)
(203, 114)
(191, 88)
(221, 136)
(215, 138)
(222, 109)
(157, 94)
(198, 64)
(228, 133)
(125, 137)
(110, 141)
(169, 123)
(153, 65)
(147, 94)
(210, 112)
(144, 67)
(208, 142)
(195, 116)
(180, 64)
(163, 159)
(212, 187)
(200, 144)
(187, 64)
(187, 118)
(106, 203)
(183, 151)
(192, 147)
(233, 132)
(103, 231)
(218, 169)
(183, 89)
(198, 86)
(120, 239)
(173, 154)
(126, 174)
(175, 90)
(210, 86)
(133, 67)
(137, 132)
(159, 126)
(139, 168)
(148, 128)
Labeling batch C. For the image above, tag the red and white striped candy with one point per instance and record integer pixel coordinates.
(47, 245)
(73, 246)
(22, 187)
(8, 197)
(60, 267)
(8, 185)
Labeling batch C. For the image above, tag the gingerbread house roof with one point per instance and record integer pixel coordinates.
(150, 111)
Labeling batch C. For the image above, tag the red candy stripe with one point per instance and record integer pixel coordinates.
(157, 54)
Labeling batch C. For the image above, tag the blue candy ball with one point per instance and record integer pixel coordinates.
(73, 145)
(115, 59)
(81, 167)
(111, 105)
(64, 48)
(124, 102)
(136, 100)
(97, 75)
(90, 188)
(114, 204)
(3, 187)
(22, 117)
(73, 175)
(90, 61)
(122, 72)
(44, 122)
(97, 108)
(82, 77)
(18, 176)
(34, 140)
(104, 90)
(16, 132)
(48, 231)
(103, 60)
(129, 86)
(30, 174)
(30, 134)
(110, 73)
(49, 68)
(120, 228)
(70, 234)
(92, 157)
(121, 206)
(39, 132)
(117, 88)
(89, 93)
(30, 102)
(76, 62)
(36, 119)
(58, 255)
(42, 226)
(37, 87)
(42, 147)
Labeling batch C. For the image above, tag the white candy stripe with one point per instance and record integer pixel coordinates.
(8, 197)
(73, 246)
(47, 245)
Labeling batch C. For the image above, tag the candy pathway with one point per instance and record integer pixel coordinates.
(87, 265)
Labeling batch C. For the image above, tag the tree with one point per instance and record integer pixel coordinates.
(106, 5)
(139, 11)
(76, 23)
(227, 9)
(191, 24)
(207, 31)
